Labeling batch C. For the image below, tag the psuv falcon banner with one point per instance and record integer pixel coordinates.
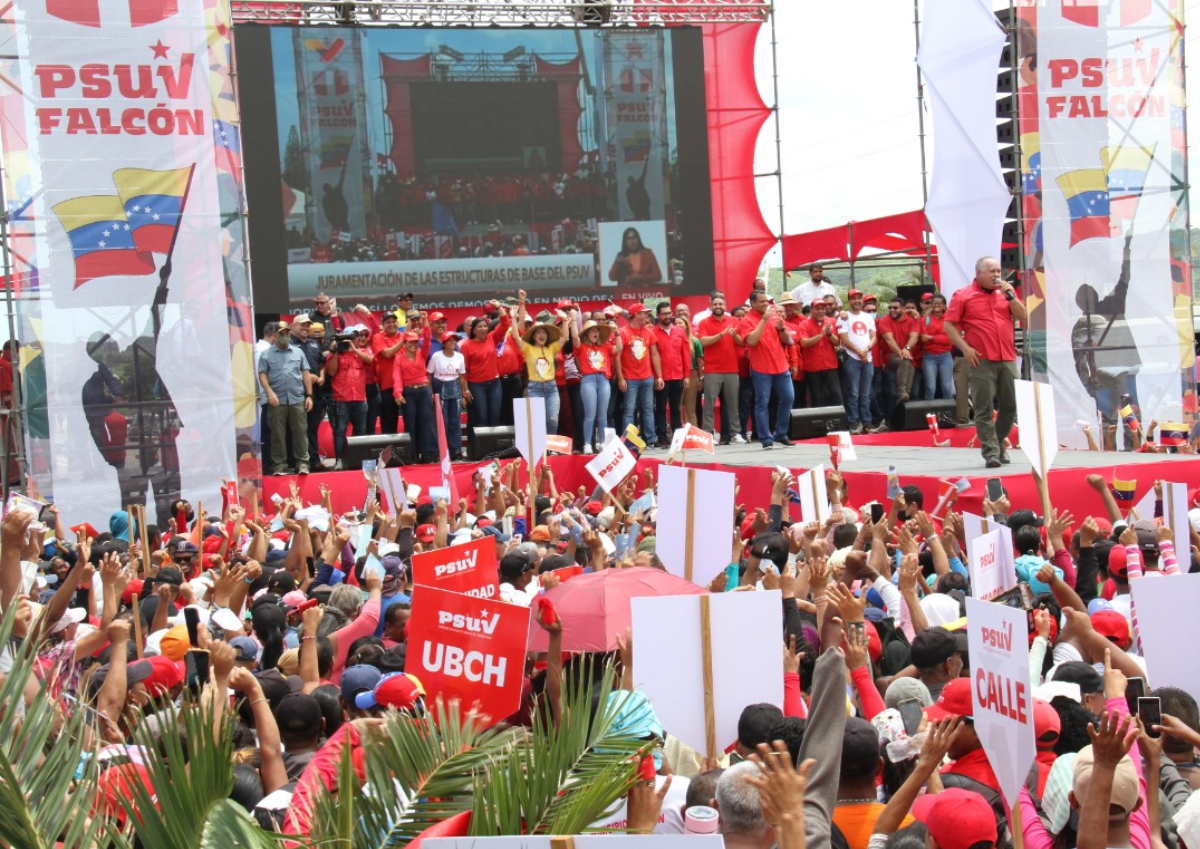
(137, 339)
(1103, 145)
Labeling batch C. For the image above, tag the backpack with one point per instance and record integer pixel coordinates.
(994, 799)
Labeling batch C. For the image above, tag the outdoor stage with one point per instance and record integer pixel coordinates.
(912, 453)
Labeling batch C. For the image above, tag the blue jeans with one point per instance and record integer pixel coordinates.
(484, 409)
(639, 395)
(858, 391)
(418, 422)
(595, 391)
(764, 385)
(452, 416)
(548, 390)
(939, 371)
(348, 413)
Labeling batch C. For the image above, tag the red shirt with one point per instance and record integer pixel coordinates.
(985, 319)
(767, 356)
(721, 357)
(408, 372)
(635, 352)
(674, 352)
(975, 765)
(350, 382)
(510, 360)
(900, 329)
(379, 342)
(594, 359)
(823, 355)
(483, 359)
(935, 327)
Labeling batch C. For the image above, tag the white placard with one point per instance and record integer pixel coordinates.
(391, 481)
(992, 568)
(529, 428)
(814, 500)
(612, 464)
(1039, 428)
(671, 671)
(702, 512)
(1175, 514)
(974, 526)
(1164, 605)
(846, 443)
(1001, 692)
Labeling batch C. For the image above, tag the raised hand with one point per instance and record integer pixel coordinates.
(1112, 738)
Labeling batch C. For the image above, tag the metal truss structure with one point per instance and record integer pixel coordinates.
(438, 13)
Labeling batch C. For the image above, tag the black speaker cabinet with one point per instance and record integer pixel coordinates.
(486, 441)
(911, 414)
(815, 422)
(359, 448)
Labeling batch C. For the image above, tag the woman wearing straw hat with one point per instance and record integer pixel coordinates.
(594, 352)
(539, 346)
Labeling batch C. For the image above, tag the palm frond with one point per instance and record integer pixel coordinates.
(560, 780)
(41, 748)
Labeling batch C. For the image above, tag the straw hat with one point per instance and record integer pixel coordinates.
(606, 330)
(553, 332)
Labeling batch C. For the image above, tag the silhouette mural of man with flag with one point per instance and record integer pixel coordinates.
(131, 416)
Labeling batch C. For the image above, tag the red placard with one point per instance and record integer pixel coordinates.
(470, 569)
(470, 649)
(559, 444)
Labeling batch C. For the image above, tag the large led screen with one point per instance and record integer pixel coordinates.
(464, 164)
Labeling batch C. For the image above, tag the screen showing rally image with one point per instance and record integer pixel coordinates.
(462, 165)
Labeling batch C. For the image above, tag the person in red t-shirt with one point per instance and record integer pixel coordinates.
(899, 337)
(675, 354)
(348, 371)
(594, 356)
(410, 385)
(819, 344)
(765, 337)
(937, 364)
(385, 345)
(985, 312)
(721, 353)
(481, 349)
(793, 318)
(639, 372)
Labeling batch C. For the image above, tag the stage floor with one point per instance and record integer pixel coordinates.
(917, 460)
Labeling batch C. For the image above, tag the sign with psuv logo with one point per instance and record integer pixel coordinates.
(1000, 691)
(470, 569)
(469, 649)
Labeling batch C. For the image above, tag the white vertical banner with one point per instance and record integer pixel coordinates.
(1001, 692)
(1175, 516)
(991, 567)
(133, 319)
(960, 54)
(529, 428)
(1116, 320)
(814, 499)
(695, 536)
(1163, 605)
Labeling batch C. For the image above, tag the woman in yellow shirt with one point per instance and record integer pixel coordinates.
(539, 345)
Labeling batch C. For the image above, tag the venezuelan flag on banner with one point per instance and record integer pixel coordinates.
(1086, 192)
(1124, 491)
(633, 441)
(153, 202)
(1125, 169)
(101, 238)
(1031, 163)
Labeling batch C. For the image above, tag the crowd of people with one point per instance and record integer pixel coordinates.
(738, 372)
(304, 625)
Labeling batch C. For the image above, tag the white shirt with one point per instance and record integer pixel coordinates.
(858, 328)
(807, 292)
(447, 369)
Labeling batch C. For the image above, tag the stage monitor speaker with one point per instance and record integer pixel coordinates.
(815, 422)
(488, 441)
(360, 448)
(911, 414)
(913, 293)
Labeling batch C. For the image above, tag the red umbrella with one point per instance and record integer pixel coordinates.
(595, 607)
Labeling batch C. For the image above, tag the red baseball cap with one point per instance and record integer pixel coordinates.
(412, 337)
(1117, 566)
(448, 335)
(928, 296)
(593, 508)
(398, 690)
(1047, 725)
(874, 645)
(854, 293)
(956, 818)
(565, 303)
(1112, 626)
(167, 674)
(635, 309)
(115, 785)
(868, 299)
(426, 533)
(955, 700)
(436, 316)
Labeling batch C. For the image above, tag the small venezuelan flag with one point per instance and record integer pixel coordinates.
(1130, 418)
(1124, 490)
